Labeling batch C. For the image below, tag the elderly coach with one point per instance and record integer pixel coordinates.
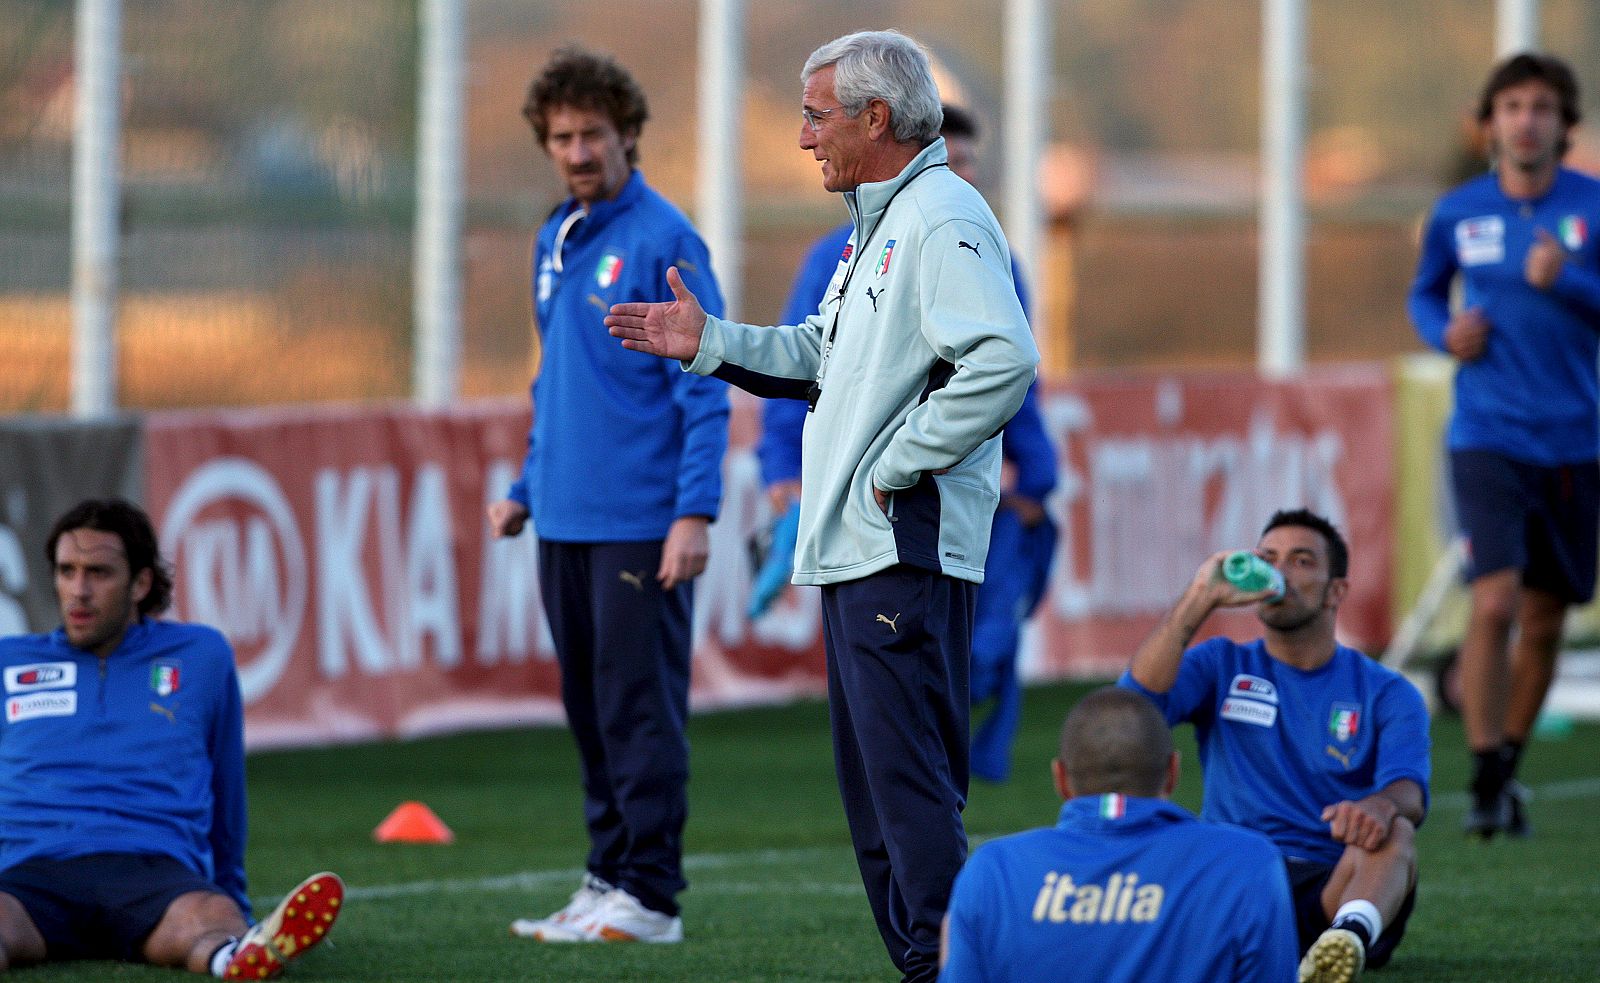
(916, 357)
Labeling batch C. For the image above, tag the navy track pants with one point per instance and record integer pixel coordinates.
(898, 645)
(624, 647)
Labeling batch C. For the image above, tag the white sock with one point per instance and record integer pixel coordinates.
(1364, 912)
(219, 959)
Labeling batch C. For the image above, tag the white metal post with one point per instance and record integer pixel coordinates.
(96, 201)
(1028, 83)
(436, 251)
(1516, 27)
(1281, 302)
(719, 175)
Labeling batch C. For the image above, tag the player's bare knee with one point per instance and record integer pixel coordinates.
(193, 921)
(1540, 638)
(1495, 602)
(20, 941)
(1401, 845)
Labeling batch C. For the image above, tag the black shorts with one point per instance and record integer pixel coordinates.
(1307, 878)
(101, 906)
(1544, 521)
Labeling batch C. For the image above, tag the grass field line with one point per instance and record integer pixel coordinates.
(529, 880)
(1576, 788)
(534, 879)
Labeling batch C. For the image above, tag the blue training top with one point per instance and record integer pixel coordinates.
(1278, 744)
(623, 442)
(1532, 396)
(141, 752)
(1123, 890)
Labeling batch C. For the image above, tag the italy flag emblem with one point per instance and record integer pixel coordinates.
(883, 258)
(1344, 721)
(1574, 232)
(164, 678)
(609, 269)
(1113, 806)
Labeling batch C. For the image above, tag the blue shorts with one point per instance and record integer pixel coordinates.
(101, 906)
(1544, 521)
(1307, 878)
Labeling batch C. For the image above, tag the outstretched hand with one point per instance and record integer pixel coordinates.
(670, 329)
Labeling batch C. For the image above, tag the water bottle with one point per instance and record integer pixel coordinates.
(1249, 572)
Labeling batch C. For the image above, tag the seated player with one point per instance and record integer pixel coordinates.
(1312, 743)
(122, 799)
(1128, 886)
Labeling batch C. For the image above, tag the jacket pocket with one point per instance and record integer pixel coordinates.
(967, 507)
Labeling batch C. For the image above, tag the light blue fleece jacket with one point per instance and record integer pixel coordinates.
(929, 357)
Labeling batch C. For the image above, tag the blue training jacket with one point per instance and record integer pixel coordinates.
(622, 442)
(1123, 890)
(1024, 443)
(140, 752)
(1532, 396)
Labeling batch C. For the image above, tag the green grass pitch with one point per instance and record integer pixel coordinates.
(773, 889)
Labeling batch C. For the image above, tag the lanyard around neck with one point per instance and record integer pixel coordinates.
(578, 215)
(861, 246)
(855, 261)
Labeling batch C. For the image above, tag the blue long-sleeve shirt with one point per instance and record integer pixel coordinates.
(1123, 890)
(1024, 444)
(139, 752)
(1532, 396)
(622, 442)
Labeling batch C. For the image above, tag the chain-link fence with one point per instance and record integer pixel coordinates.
(269, 163)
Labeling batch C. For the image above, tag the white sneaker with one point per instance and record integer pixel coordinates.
(566, 925)
(1336, 957)
(622, 918)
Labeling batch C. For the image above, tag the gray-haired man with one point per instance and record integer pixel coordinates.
(916, 358)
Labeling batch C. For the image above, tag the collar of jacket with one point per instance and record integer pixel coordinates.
(602, 212)
(867, 201)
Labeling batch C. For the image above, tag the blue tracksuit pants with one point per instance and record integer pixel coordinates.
(898, 645)
(624, 646)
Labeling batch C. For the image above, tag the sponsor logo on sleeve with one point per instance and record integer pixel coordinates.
(1481, 240)
(50, 703)
(1253, 687)
(546, 281)
(41, 675)
(1249, 712)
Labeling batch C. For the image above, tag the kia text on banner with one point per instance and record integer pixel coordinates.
(346, 556)
(345, 553)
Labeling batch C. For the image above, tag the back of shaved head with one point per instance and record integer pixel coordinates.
(1115, 740)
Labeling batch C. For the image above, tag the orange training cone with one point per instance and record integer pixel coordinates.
(413, 822)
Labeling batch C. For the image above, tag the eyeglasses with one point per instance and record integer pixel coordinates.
(816, 117)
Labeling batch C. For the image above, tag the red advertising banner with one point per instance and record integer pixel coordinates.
(1159, 471)
(346, 556)
(345, 553)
